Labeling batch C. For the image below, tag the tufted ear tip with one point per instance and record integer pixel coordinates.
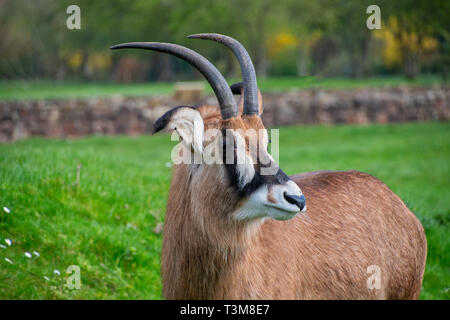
(164, 120)
(237, 88)
(187, 122)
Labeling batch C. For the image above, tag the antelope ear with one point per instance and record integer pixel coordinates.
(238, 88)
(187, 122)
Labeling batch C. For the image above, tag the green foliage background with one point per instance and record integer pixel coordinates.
(331, 36)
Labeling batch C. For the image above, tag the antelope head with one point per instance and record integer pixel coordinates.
(227, 170)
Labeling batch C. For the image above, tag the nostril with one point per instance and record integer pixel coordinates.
(299, 201)
(303, 202)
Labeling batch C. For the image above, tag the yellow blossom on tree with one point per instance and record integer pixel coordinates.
(74, 60)
(99, 61)
(399, 42)
(281, 42)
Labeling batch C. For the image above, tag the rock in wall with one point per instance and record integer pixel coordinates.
(134, 116)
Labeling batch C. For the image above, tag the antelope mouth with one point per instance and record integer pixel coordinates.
(282, 213)
(293, 209)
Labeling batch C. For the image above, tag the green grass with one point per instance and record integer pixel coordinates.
(22, 90)
(104, 224)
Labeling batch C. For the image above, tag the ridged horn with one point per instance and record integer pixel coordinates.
(223, 93)
(247, 68)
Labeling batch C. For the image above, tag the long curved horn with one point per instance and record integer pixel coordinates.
(247, 69)
(223, 93)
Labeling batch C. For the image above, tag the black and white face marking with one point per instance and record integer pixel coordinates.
(266, 195)
(265, 189)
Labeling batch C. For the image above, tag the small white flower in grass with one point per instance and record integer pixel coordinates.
(28, 255)
(6, 209)
(158, 229)
(46, 278)
(56, 271)
(9, 261)
(36, 253)
(8, 242)
(130, 225)
(2, 246)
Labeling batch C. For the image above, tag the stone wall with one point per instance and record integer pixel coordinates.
(134, 116)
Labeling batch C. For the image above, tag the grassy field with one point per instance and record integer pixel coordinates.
(21, 90)
(104, 221)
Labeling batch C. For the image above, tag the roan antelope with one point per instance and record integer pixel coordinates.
(232, 232)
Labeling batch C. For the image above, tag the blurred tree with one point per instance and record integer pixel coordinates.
(283, 37)
(403, 47)
(30, 39)
(355, 38)
(249, 21)
(416, 26)
(309, 21)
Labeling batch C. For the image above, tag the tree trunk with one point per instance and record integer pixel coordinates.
(302, 62)
(411, 65)
(165, 73)
(261, 63)
(85, 69)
